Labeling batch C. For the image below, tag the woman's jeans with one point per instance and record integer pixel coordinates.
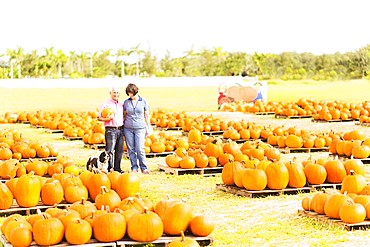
(135, 139)
(114, 145)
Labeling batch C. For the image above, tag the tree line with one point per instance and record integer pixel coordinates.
(205, 62)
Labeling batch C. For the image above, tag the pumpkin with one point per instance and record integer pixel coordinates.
(148, 203)
(52, 193)
(353, 183)
(213, 148)
(254, 179)
(21, 236)
(187, 162)
(27, 190)
(109, 227)
(83, 207)
(297, 177)
(231, 147)
(48, 231)
(194, 135)
(225, 158)
(108, 198)
(306, 203)
(293, 141)
(75, 193)
(68, 217)
(334, 203)
(277, 176)
(95, 182)
(202, 225)
(162, 205)
(6, 197)
(361, 152)
(145, 226)
(8, 169)
(78, 232)
(183, 242)
(229, 170)
(356, 165)
(129, 185)
(238, 178)
(107, 112)
(315, 173)
(174, 161)
(201, 160)
(335, 171)
(318, 201)
(177, 218)
(352, 213)
(131, 203)
(15, 224)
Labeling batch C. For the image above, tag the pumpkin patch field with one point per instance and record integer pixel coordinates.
(264, 220)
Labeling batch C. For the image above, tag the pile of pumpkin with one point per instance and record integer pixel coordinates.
(116, 210)
(14, 146)
(351, 144)
(8, 117)
(162, 119)
(319, 109)
(73, 124)
(277, 175)
(278, 136)
(351, 204)
(208, 151)
(14, 168)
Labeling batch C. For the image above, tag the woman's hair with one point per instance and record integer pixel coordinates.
(132, 88)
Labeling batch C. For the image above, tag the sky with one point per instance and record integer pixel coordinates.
(161, 26)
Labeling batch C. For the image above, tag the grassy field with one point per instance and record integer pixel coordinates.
(267, 221)
(174, 99)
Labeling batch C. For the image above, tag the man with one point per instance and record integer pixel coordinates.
(113, 123)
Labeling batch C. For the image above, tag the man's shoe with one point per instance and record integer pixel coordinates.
(133, 171)
(145, 172)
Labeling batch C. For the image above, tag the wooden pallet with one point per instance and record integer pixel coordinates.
(264, 113)
(316, 187)
(23, 122)
(165, 240)
(292, 117)
(151, 155)
(208, 171)
(345, 158)
(333, 120)
(72, 138)
(43, 159)
(363, 124)
(210, 133)
(36, 126)
(92, 243)
(165, 129)
(54, 131)
(30, 210)
(95, 146)
(250, 193)
(303, 150)
(325, 220)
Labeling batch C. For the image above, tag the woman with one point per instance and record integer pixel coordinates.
(137, 127)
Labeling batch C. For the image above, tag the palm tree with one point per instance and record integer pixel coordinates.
(82, 58)
(120, 53)
(60, 59)
(18, 56)
(137, 52)
(92, 56)
(47, 61)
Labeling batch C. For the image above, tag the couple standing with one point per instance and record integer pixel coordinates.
(130, 121)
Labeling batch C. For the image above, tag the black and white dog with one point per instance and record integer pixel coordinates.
(100, 163)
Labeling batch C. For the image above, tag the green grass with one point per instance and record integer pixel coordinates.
(174, 99)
